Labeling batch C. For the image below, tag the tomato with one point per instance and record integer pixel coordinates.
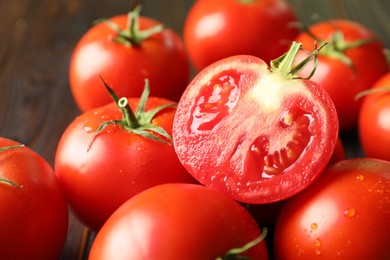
(344, 214)
(253, 131)
(100, 168)
(125, 64)
(34, 212)
(374, 120)
(178, 221)
(351, 62)
(216, 29)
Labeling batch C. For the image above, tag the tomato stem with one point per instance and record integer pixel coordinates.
(246, 2)
(11, 147)
(233, 254)
(3, 180)
(371, 91)
(132, 35)
(284, 64)
(338, 45)
(140, 122)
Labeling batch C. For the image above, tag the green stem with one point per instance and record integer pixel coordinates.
(371, 91)
(11, 183)
(284, 64)
(5, 181)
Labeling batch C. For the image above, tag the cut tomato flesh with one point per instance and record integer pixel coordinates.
(215, 101)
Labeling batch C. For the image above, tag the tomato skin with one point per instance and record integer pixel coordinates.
(237, 123)
(125, 68)
(34, 218)
(343, 215)
(340, 80)
(99, 173)
(177, 221)
(374, 121)
(218, 29)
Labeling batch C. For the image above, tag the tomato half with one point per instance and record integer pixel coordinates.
(374, 120)
(178, 221)
(351, 62)
(344, 214)
(253, 133)
(33, 209)
(101, 170)
(216, 29)
(125, 65)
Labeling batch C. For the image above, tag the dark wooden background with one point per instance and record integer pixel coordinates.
(36, 41)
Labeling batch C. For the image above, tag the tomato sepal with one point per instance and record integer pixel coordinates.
(132, 35)
(139, 122)
(6, 181)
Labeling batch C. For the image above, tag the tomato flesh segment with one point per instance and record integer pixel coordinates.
(215, 101)
(268, 157)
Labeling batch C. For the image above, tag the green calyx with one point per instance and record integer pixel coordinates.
(246, 2)
(3, 180)
(132, 35)
(234, 254)
(140, 121)
(284, 64)
(337, 46)
(372, 91)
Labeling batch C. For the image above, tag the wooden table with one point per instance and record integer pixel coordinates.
(37, 38)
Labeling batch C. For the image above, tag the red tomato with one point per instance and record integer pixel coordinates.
(344, 69)
(34, 213)
(125, 66)
(253, 131)
(374, 120)
(178, 221)
(216, 29)
(99, 172)
(343, 215)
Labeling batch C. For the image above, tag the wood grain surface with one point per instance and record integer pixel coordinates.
(37, 39)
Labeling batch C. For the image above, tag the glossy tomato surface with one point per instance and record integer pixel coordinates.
(178, 221)
(159, 58)
(343, 78)
(33, 210)
(252, 133)
(344, 214)
(99, 172)
(216, 29)
(374, 120)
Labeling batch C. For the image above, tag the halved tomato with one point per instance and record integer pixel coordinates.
(253, 131)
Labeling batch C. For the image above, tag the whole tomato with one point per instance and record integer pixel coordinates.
(109, 154)
(351, 62)
(374, 120)
(255, 131)
(344, 214)
(125, 50)
(179, 221)
(33, 209)
(217, 29)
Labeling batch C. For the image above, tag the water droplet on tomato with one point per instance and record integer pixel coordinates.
(351, 212)
(360, 177)
(87, 129)
(314, 226)
(318, 251)
(317, 242)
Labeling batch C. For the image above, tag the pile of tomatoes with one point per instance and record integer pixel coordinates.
(244, 160)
